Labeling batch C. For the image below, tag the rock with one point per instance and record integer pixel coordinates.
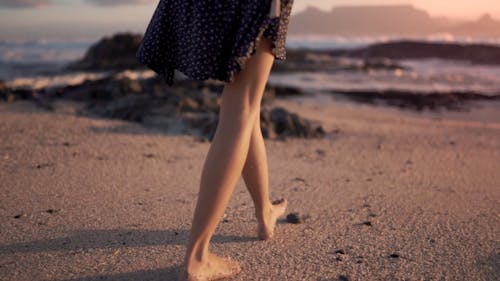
(196, 104)
(418, 101)
(90, 90)
(103, 89)
(131, 107)
(44, 165)
(287, 91)
(126, 85)
(3, 90)
(287, 124)
(394, 256)
(343, 278)
(110, 53)
(166, 110)
(406, 49)
(340, 252)
(20, 94)
(266, 124)
(281, 120)
(294, 218)
(187, 104)
(204, 124)
(321, 152)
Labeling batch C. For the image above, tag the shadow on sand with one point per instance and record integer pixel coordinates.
(164, 274)
(89, 239)
(113, 238)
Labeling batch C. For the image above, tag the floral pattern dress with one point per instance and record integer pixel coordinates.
(211, 39)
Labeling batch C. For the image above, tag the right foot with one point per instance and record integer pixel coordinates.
(268, 221)
(215, 268)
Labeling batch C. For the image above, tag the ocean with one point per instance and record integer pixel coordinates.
(39, 63)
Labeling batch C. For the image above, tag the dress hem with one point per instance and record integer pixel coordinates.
(168, 74)
(167, 71)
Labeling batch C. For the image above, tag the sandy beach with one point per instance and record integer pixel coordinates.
(386, 195)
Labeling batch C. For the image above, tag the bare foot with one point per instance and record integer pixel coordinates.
(215, 268)
(268, 222)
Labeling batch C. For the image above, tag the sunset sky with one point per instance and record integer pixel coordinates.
(33, 19)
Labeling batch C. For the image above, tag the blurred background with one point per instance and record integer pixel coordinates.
(362, 47)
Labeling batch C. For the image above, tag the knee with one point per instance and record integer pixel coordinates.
(241, 116)
(238, 116)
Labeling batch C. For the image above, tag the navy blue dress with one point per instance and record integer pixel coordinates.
(211, 39)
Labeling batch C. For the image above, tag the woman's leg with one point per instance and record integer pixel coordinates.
(224, 163)
(255, 174)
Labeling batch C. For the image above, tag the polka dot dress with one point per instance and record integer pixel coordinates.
(211, 39)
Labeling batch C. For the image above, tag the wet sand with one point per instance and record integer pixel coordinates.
(386, 196)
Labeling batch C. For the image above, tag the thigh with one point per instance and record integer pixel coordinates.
(247, 88)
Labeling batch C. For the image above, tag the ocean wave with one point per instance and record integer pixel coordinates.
(46, 41)
(321, 42)
(75, 78)
(42, 50)
(421, 76)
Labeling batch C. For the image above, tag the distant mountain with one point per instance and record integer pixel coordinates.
(398, 20)
(485, 26)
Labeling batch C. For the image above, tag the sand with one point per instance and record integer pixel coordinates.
(387, 195)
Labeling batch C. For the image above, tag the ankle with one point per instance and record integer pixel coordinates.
(196, 255)
(263, 212)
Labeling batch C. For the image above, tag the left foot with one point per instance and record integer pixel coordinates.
(214, 268)
(268, 221)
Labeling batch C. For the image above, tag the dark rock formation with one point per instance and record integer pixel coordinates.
(110, 53)
(416, 101)
(107, 88)
(474, 53)
(11, 95)
(130, 107)
(279, 123)
(3, 90)
(190, 107)
(280, 91)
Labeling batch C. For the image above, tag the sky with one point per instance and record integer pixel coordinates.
(74, 19)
